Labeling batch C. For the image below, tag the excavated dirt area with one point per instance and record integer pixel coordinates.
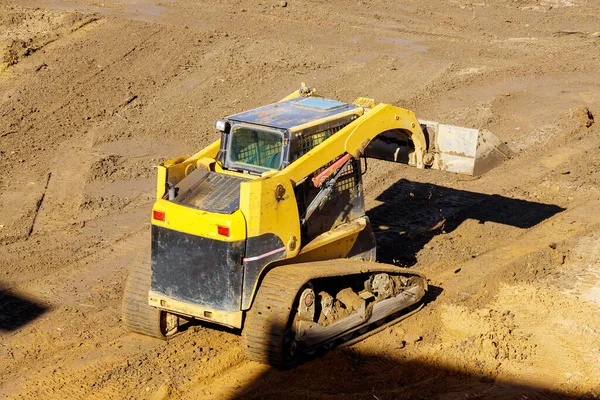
(94, 93)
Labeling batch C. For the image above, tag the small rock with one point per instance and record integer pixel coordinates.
(485, 312)
(552, 246)
(162, 393)
(204, 359)
(457, 270)
(283, 4)
(595, 34)
(412, 338)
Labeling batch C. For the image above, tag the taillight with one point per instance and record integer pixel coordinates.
(223, 230)
(158, 215)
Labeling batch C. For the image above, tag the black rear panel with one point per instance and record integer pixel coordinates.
(197, 270)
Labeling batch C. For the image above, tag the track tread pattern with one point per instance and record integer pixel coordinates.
(138, 316)
(266, 322)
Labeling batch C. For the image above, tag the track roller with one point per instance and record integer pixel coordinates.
(288, 320)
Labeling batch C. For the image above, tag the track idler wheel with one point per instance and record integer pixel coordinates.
(140, 317)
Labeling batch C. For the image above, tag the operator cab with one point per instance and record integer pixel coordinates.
(272, 137)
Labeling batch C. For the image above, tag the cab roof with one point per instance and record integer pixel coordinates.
(293, 112)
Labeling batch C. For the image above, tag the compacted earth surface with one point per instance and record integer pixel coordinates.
(95, 93)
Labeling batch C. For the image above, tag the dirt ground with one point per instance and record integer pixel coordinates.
(94, 93)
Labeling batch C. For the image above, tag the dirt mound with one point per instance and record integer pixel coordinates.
(17, 49)
(486, 337)
(573, 122)
(26, 31)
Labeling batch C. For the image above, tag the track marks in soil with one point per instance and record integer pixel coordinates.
(65, 192)
(38, 205)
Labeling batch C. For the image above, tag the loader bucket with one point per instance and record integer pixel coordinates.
(464, 150)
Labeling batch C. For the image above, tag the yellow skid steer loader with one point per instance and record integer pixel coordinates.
(265, 229)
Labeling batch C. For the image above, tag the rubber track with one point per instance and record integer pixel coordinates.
(267, 320)
(138, 316)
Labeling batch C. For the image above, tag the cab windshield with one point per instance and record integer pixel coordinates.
(252, 147)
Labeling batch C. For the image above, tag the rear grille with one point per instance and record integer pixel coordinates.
(217, 193)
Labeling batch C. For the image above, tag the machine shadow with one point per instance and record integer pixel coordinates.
(348, 374)
(412, 213)
(16, 311)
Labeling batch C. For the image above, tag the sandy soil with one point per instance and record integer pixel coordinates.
(94, 93)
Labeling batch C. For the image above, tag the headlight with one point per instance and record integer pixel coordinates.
(221, 125)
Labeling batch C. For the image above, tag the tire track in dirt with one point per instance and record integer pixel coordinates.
(38, 206)
(65, 191)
